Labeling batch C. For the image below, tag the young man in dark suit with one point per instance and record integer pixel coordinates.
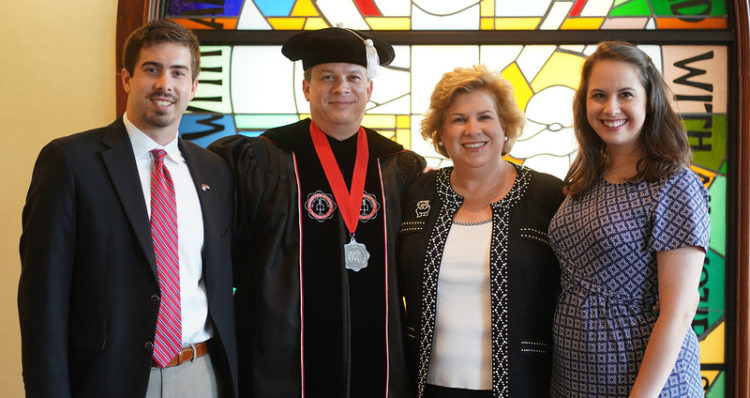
(126, 285)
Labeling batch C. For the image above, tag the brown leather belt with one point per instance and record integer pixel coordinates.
(187, 354)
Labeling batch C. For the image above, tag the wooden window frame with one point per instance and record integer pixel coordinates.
(133, 13)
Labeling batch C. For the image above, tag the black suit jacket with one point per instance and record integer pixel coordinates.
(88, 293)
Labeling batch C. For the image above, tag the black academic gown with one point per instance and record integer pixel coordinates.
(303, 320)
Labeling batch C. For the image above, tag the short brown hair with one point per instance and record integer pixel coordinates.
(157, 32)
(663, 137)
(467, 80)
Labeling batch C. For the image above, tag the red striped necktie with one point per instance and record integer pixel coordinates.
(168, 338)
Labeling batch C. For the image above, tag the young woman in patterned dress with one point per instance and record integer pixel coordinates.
(633, 230)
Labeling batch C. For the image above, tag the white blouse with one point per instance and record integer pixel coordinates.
(461, 354)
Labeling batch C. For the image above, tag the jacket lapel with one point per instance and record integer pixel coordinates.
(122, 169)
(203, 188)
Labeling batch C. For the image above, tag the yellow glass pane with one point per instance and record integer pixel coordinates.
(517, 23)
(315, 24)
(486, 24)
(287, 23)
(389, 23)
(512, 159)
(561, 69)
(487, 8)
(582, 23)
(304, 8)
(712, 347)
(379, 121)
(403, 137)
(710, 376)
(520, 87)
(403, 121)
(390, 134)
(706, 175)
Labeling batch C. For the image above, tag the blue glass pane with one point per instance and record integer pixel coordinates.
(204, 129)
(230, 8)
(251, 133)
(275, 8)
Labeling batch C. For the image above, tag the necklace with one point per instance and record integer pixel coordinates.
(472, 224)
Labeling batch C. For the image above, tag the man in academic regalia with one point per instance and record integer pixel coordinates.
(318, 210)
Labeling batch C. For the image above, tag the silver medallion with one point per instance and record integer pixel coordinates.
(355, 255)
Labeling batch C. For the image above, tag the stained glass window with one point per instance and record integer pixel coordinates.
(246, 89)
(449, 14)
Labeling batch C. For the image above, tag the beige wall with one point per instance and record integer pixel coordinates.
(57, 71)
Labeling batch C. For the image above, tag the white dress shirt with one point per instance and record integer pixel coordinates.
(195, 329)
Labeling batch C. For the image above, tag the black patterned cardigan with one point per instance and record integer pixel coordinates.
(524, 277)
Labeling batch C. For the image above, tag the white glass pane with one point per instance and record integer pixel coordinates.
(576, 48)
(556, 15)
(498, 57)
(445, 15)
(402, 58)
(596, 8)
(395, 106)
(299, 96)
(425, 148)
(342, 13)
(251, 18)
(213, 82)
(390, 85)
(394, 8)
(548, 141)
(655, 53)
(261, 80)
(532, 59)
(429, 64)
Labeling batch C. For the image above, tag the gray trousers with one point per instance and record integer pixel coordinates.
(196, 378)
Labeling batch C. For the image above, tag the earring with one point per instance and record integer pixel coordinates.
(505, 139)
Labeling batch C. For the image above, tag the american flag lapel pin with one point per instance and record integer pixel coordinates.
(205, 187)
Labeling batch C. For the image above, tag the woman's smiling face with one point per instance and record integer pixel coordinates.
(472, 132)
(616, 104)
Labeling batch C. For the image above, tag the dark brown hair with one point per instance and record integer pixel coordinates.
(157, 32)
(663, 137)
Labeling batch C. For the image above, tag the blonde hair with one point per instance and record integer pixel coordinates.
(467, 80)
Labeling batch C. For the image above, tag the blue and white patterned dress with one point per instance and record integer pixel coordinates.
(606, 242)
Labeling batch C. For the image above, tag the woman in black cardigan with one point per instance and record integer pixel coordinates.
(476, 269)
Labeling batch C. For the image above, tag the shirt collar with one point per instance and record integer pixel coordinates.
(143, 144)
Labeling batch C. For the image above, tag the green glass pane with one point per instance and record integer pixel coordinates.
(717, 205)
(718, 389)
(712, 305)
(708, 139)
(689, 7)
(632, 8)
(264, 122)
